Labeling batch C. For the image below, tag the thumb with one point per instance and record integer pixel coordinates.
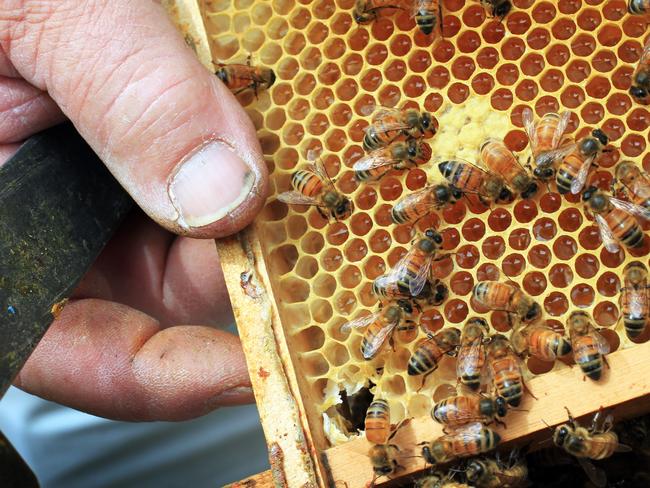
(166, 127)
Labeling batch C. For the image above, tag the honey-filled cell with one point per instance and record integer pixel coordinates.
(334, 74)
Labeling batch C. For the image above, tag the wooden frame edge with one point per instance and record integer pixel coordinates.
(624, 388)
(292, 454)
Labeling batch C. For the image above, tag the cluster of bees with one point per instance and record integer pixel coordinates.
(488, 366)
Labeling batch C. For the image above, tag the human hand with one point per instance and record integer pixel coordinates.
(181, 145)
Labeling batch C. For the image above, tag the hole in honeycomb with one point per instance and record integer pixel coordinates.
(606, 314)
(310, 339)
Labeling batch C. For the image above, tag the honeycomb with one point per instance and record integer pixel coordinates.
(574, 55)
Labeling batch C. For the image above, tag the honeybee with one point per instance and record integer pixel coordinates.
(389, 287)
(428, 353)
(414, 268)
(393, 124)
(398, 155)
(467, 441)
(241, 77)
(640, 88)
(383, 455)
(500, 160)
(379, 326)
(471, 179)
(470, 362)
(634, 301)
(460, 410)
(638, 7)
(505, 370)
(597, 442)
(497, 8)
(540, 341)
(493, 473)
(420, 203)
(428, 15)
(615, 218)
(508, 298)
(314, 187)
(589, 347)
(545, 137)
(438, 480)
(574, 168)
(368, 10)
(635, 183)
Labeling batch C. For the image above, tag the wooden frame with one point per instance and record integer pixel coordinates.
(295, 461)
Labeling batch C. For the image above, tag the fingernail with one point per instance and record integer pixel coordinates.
(239, 395)
(209, 184)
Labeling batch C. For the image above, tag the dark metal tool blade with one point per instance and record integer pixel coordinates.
(58, 208)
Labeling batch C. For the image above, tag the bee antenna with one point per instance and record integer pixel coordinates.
(549, 427)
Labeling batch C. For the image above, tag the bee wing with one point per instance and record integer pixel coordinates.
(360, 322)
(297, 198)
(609, 241)
(318, 168)
(637, 301)
(561, 127)
(467, 433)
(466, 357)
(384, 112)
(579, 181)
(601, 343)
(631, 208)
(376, 159)
(378, 340)
(548, 157)
(416, 285)
(528, 120)
(596, 475)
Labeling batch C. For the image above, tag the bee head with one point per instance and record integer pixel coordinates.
(635, 272)
(344, 207)
(533, 313)
(589, 193)
(411, 149)
(530, 190)
(544, 173)
(638, 92)
(442, 193)
(271, 78)
(505, 194)
(502, 9)
(626, 171)
(427, 120)
(383, 470)
(475, 470)
(601, 136)
(502, 406)
(393, 313)
(561, 434)
(434, 235)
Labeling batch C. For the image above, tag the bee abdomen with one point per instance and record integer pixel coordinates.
(371, 140)
(306, 183)
(563, 180)
(592, 365)
(634, 326)
(471, 380)
(426, 21)
(422, 361)
(511, 390)
(637, 7)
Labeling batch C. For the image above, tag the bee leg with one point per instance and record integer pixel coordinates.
(424, 379)
(527, 390)
(606, 363)
(572, 421)
(500, 422)
(441, 20)
(248, 59)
